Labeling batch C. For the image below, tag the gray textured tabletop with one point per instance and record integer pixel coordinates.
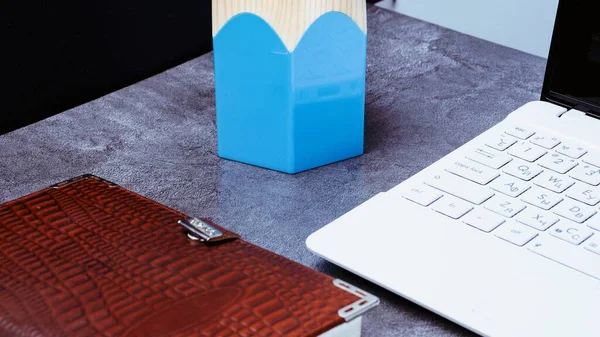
(429, 90)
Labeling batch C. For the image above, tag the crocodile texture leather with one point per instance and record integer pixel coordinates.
(89, 258)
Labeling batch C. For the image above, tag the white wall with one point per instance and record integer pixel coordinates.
(521, 24)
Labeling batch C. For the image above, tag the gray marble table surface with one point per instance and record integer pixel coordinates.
(429, 90)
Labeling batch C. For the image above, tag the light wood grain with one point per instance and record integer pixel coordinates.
(289, 18)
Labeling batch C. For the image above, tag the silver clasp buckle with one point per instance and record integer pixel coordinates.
(200, 230)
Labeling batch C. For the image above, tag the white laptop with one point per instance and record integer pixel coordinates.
(502, 236)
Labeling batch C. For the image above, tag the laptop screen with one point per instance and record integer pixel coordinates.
(573, 71)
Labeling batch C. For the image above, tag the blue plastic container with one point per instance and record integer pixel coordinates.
(290, 111)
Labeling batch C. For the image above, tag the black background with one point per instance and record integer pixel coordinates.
(573, 71)
(58, 54)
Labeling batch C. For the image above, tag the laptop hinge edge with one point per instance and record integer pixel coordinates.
(580, 115)
(585, 109)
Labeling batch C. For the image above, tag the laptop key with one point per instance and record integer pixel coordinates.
(587, 173)
(573, 151)
(519, 132)
(553, 182)
(459, 187)
(504, 206)
(483, 220)
(546, 142)
(594, 222)
(592, 158)
(515, 233)
(536, 218)
(522, 170)
(451, 207)
(570, 232)
(593, 244)
(584, 193)
(567, 255)
(574, 211)
(509, 185)
(489, 157)
(541, 198)
(526, 151)
(557, 163)
(500, 142)
(422, 195)
(470, 170)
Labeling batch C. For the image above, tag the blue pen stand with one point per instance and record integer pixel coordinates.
(284, 110)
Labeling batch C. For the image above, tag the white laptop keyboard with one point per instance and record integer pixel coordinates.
(528, 188)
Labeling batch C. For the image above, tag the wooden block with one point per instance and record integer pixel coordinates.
(289, 18)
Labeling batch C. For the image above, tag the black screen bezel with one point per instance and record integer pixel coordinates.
(563, 17)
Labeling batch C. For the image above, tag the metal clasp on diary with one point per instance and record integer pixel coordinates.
(200, 230)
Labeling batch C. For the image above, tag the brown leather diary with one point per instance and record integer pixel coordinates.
(89, 258)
